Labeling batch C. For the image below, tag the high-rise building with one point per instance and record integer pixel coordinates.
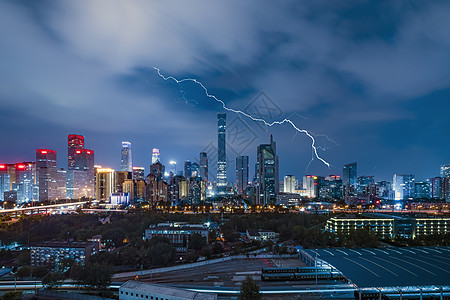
(421, 190)
(4, 181)
(242, 174)
(187, 169)
(445, 171)
(350, 177)
(155, 155)
(138, 173)
(436, 188)
(195, 170)
(403, 186)
(80, 174)
(445, 174)
(46, 168)
(121, 176)
(290, 184)
(75, 142)
(267, 170)
(126, 162)
(203, 166)
(311, 186)
(222, 155)
(104, 183)
(61, 184)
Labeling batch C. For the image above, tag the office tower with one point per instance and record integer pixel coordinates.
(157, 169)
(242, 174)
(187, 169)
(129, 187)
(75, 142)
(195, 170)
(445, 171)
(125, 158)
(46, 168)
(174, 189)
(350, 177)
(61, 184)
(138, 173)
(121, 176)
(421, 190)
(25, 180)
(334, 186)
(140, 189)
(290, 184)
(222, 155)
(173, 167)
(4, 181)
(80, 174)
(310, 186)
(403, 186)
(267, 170)
(104, 183)
(203, 166)
(445, 174)
(436, 188)
(385, 190)
(155, 155)
(197, 190)
(364, 184)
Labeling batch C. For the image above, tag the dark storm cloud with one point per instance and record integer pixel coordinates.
(350, 69)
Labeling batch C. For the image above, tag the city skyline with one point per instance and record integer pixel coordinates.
(354, 76)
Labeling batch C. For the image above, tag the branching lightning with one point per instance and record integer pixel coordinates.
(241, 113)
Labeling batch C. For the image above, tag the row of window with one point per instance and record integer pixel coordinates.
(142, 296)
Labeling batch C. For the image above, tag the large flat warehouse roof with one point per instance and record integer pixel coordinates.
(391, 266)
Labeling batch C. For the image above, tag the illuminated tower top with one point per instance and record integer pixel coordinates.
(74, 142)
(155, 155)
(126, 159)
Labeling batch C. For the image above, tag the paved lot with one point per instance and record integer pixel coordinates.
(373, 267)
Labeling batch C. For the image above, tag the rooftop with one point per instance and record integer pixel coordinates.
(390, 266)
(165, 290)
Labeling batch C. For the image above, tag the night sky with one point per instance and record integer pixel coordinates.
(372, 76)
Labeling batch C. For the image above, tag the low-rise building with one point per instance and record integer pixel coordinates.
(261, 235)
(178, 234)
(51, 253)
(389, 226)
(133, 290)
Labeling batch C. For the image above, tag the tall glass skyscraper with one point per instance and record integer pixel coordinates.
(222, 155)
(74, 142)
(242, 174)
(403, 186)
(46, 167)
(204, 166)
(350, 175)
(126, 163)
(267, 173)
(187, 169)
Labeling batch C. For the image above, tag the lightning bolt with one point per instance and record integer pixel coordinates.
(241, 113)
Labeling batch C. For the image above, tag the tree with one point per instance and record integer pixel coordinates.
(197, 241)
(39, 272)
(249, 289)
(24, 271)
(52, 279)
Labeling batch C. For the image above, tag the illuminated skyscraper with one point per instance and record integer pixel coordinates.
(195, 169)
(267, 173)
(290, 184)
(222, 155)
(4, 181)
(104, 184)
(403, 186)
(204, 166)
(436, 188)
(155, 155)
(75, 142)
(46, 168)
(445, 174)
(125, 159)
(242, 174)
(350, 176)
